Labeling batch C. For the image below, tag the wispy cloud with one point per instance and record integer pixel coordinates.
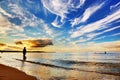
(48, 30)
(61, 8)
(24, 15)
(98, 25)
(19, 35)
(88, 12)
(6, 26)
(2, 11)
(116, 34)
(93, 35)
(75, 21)
(27, 19)
(99, 38)
(57, 23)
(116, 6)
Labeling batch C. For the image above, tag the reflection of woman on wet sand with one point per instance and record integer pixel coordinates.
(24, 53)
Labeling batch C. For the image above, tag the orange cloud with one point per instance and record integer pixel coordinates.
(35, 42)
(2, 44)
(18, 43)
(8, 47)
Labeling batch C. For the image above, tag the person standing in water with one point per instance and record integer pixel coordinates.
(24, 53)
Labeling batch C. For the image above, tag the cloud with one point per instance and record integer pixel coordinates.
(116, 34)
(23, 18)
(75, 21)
(111, 45)
(19, 35)
(35, 42)
(103, 46)
(26, 18)
(48, 30)
(99, 38)
(15, 20)
(4, 12)
(114, 46)
(87, 13)
(115, 6)
(61, 8)
(90, 47)
(18, 43)
(93, 35)
(7, 27)
(57, 23)
(2, 44)
(8, 47)
(95, 26)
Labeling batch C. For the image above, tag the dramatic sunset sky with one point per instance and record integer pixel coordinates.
(60, 25)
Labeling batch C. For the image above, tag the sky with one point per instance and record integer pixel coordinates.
(60, 25)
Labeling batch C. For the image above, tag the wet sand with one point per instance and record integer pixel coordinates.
(9, 73)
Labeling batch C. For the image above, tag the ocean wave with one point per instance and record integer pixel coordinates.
(107, 65)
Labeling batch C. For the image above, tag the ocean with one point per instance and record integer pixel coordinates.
(66, 66)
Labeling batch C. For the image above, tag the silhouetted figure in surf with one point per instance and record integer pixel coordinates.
(24, 53)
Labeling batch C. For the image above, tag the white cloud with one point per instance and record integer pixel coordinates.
(99, 38)
(92, 35)
(61, 8)
(116, 34)
(76, 21)
(88, 12)
(115, 6)
(57, 7)
(5, 13)
(81, 3)
(24, 15)
(48, 30)
(29, 19)
(6, 27)
(17, 10)
(111, 29)
(19, 35)
(98, 25)
(4, 22)
(57, 23)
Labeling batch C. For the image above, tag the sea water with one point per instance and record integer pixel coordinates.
(62, 66)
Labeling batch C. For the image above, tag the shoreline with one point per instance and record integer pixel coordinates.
(10, 73)
(103, 65)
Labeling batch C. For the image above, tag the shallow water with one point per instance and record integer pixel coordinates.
(66, 66)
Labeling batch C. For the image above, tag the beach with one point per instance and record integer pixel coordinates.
(9, 73)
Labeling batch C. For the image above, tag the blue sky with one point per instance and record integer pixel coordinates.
(66, 22)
